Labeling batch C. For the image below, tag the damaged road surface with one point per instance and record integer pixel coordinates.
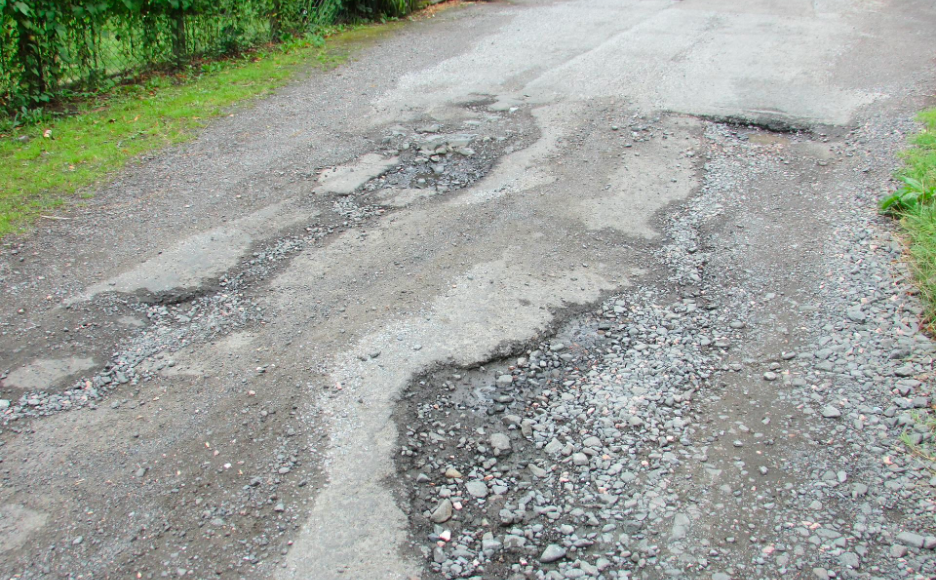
(585, 289)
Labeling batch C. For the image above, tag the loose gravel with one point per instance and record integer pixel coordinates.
(722, 423)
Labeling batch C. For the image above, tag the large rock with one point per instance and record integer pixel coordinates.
(443, 512)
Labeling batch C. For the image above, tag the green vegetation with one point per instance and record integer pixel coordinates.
(914, 205)
(41, 164)
(920, 435)
(52, 48)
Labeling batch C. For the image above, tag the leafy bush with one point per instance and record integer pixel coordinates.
(910, 196)
(51, 46)
(919, 171)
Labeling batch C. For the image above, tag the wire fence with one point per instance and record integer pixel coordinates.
(49, 48)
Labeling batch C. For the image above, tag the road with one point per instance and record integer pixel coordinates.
(256, 355)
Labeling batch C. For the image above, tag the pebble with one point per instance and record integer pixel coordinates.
(552, 553)
(500, 443)
(830, 412)
(477, 489)
(443, 512)
(911, 539)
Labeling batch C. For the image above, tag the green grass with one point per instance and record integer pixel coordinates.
(40, 173)
(914, 204)
(918, 219)
(920, 436)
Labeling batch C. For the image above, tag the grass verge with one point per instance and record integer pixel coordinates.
(915, 206)
(44, 164)
(918, 219)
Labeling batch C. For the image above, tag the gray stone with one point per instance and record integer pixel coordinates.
(500, 443)
(855, 314)
(477, 489)
(443, 512)
(553, 447)
(850, 560)
(830, 412)
(537, 471)
(905, 371)
(898, 551)
(911, 539)
(859, 490)
(552, 553)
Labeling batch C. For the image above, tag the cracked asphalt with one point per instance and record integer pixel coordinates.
(558, 289)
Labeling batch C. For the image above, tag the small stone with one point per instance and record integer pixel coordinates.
(279, 508)
(898, 551)
(820, 573)
(905, 371)
(855, 314)
(592, 442)
(443, 512)
(850, 560)
(552, 553)
(453, 473)
(770, 376)
(77, 541)
(911, 539)
(537, 471)
(830, 412)
(505, 380)
(579, 459)
(859, 490)
(500, 443)
(553, 447)
(477, 489)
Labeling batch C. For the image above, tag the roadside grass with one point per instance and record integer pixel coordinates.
(920, 435)
(914, 204)
(45, 163)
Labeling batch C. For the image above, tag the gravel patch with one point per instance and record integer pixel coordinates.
(742, 418)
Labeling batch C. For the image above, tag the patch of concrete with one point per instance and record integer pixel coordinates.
(658, 174)
(204, 256)
(17, 522)
(766, 60)
(404, 196)
(131, 322)
(344, 179)
(41, 374)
